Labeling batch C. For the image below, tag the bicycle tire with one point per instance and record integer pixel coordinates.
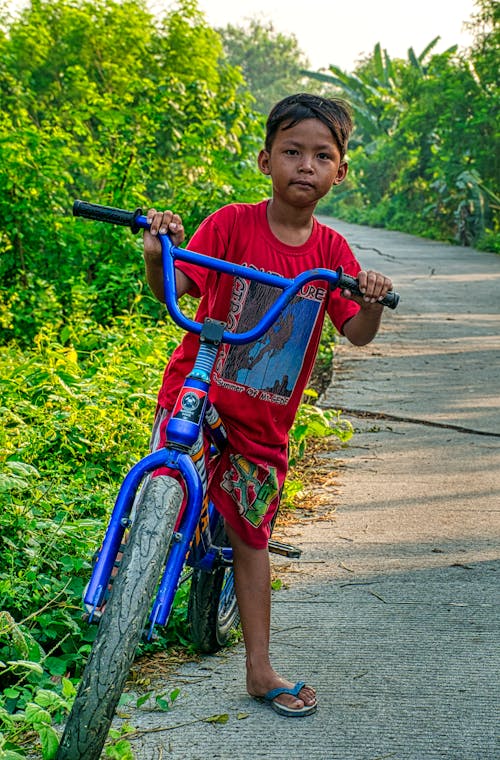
(212, 606)
(122, 623)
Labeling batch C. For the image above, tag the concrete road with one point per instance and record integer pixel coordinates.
(392, 612)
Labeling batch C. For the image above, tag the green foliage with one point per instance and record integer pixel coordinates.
(119, 113)
(270, 61)
(75, 418)
(35, 700)
(311, 424)
(120, 749)
(424, 154)
(162, 702)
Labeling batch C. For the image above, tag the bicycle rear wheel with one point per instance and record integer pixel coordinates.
(212, 607)
(122, 623)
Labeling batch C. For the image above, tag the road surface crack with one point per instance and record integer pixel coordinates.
(415, 421)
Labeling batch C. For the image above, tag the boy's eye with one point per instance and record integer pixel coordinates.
(291, 152)
(324, 156)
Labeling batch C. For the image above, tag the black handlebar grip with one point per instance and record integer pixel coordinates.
(107, 214)
(346, 282)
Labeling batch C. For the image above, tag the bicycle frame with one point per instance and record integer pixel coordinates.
(187, 418)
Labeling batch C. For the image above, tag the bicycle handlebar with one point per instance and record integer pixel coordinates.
(346, 282)
(107, 214)
(289, 287)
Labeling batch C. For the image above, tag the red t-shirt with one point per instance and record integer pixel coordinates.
(257, 388)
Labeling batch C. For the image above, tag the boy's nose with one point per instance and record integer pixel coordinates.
(305, 165)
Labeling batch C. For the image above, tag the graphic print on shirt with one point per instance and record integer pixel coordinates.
(268, 369)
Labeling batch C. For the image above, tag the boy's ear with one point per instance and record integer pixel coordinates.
(263, 162)
(341, 173)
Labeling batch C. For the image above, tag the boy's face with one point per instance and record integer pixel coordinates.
(304, 163)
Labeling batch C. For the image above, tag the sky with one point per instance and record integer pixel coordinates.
(339, 32)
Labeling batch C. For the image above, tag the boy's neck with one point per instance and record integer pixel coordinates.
(291, 226)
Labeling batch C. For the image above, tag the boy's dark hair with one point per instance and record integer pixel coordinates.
(333, 112)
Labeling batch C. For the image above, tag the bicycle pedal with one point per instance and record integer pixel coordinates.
(286, 550)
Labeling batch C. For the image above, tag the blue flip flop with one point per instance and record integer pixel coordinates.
(289, 712)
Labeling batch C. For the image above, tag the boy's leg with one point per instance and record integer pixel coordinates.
(252, 576)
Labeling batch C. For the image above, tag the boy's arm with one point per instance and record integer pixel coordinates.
(362, 328)
(163, 223)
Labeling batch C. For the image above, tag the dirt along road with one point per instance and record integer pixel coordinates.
(392, 612)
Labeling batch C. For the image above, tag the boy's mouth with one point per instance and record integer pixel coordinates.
(302, 183)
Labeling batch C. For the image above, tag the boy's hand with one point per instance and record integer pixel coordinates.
(163, 222)
(373, 286)
(362, 328)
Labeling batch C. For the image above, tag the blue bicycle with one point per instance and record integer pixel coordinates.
(149, 526)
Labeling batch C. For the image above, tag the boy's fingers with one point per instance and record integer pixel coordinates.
(159, 221)
(177, 222)
(373, 285)
(165, 222)
(176, 229)
(153, 218)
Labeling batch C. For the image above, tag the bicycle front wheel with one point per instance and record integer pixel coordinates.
(212, 609)
(122, 623)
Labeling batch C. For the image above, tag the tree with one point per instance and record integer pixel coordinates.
(483, 55)
(375, 89)
(271, 62)
(424, 154)
(119, 113)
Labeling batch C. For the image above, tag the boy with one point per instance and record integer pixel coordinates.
(257, 390)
